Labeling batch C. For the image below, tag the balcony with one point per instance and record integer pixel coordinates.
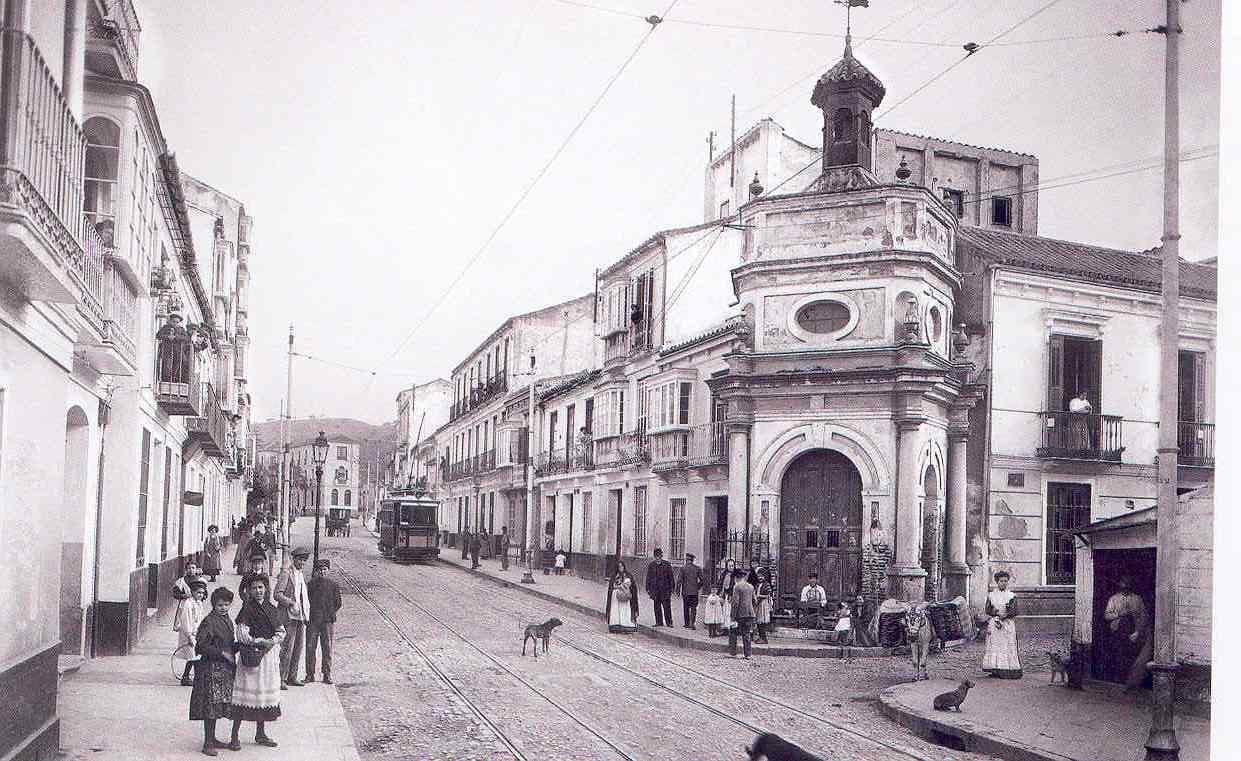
(479, 396)
(236, 465)
(571, 459)
(1078, 436)
(42, 154)
(1195, 444)
(121, 28)
(476, 465)
(210, 429)
(689, 447)
(176, 374)
(625, 450)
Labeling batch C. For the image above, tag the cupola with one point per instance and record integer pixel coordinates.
(847, 95)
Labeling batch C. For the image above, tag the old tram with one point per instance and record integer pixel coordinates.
(408, 529)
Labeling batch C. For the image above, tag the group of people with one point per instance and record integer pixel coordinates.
(241, 664)
(739, 603)
(472, 546)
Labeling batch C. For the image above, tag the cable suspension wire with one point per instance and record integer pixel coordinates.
(531, 185)
(969, 54)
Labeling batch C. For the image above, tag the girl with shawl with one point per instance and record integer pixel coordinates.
(256, 689)
(211, 552)
(762, 601)
(622, 603)
(216, 644)
(725, 584)
(240, 558)
(1001, 658)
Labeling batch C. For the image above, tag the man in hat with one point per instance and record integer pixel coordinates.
(659, 585)
(324, 602)
(293, 598)
(689, 584)
(256, 569)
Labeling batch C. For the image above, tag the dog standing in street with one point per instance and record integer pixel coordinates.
(539, 632)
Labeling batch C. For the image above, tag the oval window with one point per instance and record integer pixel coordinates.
(937, 324)
(823, 317)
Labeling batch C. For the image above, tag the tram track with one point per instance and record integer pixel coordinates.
(475, 709)
(753, 727)
(770, 700)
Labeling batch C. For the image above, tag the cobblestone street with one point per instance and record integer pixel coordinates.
(594, 695)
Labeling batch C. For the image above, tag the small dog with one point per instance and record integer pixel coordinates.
(769, 747)
(949, 700)
(539, 632)
(1060, 666)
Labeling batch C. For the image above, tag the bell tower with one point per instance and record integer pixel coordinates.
(847, 95)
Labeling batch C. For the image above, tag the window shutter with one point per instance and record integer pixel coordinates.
(620, 408)
(589, 422)
(683, 411)
(650, 306)
(1055, 374)
(1200, 388)
(1094, 375)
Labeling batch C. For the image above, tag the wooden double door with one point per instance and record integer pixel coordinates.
(821, 526)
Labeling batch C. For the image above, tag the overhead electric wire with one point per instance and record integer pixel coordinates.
(969, 54)
(534, 182)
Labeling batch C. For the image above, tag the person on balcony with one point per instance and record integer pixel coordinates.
(1079, 423)
(585, 446)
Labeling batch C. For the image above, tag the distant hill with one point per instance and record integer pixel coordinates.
(372, 438)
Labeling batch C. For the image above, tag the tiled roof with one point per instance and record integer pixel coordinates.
(849, 69)
(1104, 265)
(572, 382)
(729, 325)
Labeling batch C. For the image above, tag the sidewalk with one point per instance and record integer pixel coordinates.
(1031, 720)
(589, 597)
(131, 708)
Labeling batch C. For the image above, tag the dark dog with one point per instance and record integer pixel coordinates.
(769, 747)
(949, 700)
(538, 632)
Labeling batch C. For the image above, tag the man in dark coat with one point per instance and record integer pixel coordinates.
(465, 544)
(476, 546)
(659, 585)
(325, 601)
(689, 584)
(504, 545)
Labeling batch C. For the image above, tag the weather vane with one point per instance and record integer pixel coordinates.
(849, 6)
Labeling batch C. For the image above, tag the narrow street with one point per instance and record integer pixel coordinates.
(429, 665)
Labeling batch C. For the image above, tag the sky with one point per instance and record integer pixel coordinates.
(378, 144)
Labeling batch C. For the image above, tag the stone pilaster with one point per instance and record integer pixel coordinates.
(907, 577)
(956, 571)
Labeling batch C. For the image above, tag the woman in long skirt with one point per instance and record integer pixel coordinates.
(725, 583)
(1001, 658)
(762, 601)
(240, 559)
(256, 690)
(622, 599)
(213, 677)
(211, 552)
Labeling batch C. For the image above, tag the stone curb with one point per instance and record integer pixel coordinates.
(935, 726)
(827, 651)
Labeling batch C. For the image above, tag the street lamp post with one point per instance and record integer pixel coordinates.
(531, 537)
(320, 455)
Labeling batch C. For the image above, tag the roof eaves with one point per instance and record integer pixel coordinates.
(955, 142)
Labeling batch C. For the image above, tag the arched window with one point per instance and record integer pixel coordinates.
(335, 497)
(103, 159)
(348, 496)
(842, 125)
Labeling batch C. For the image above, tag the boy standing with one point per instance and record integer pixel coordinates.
(324, 602)
(743, 613)
(293, 598)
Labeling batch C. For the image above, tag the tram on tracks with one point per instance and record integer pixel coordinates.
(409, 528)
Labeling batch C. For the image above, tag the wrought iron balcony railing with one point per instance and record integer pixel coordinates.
(571, 459)
(121, 317)
(479, 395)
(476, 464)
(627, 449)
(176, 377)
(689, 447)
(210, 428)
(42, 155)
(1080, 436)
(1196, 444)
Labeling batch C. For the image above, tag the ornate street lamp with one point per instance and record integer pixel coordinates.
(320, 455)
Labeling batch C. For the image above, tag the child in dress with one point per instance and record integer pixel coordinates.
(560, 562)
(213, 679)
(713, 615)
(844, 624)
(190, 613)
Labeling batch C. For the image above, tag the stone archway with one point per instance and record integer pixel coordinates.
(821, 525)
(73, 531)
(933, 550)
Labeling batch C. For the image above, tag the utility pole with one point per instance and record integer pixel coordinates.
(288, 413)
(1161, 743)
